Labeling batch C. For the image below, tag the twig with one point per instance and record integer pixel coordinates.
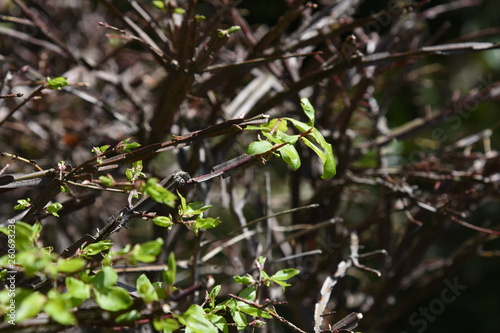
(272, 313)
(26, 100)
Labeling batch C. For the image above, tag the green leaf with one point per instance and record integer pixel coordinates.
(72, 265)
(253, 311)
(281, 283)
(247, 279)
(163, 221)
(159, 4)
(301, 126)
(99, 151)
(135, 172)
(308, 110)
(219, 321)
(148, 251)
(290, 155)
(77, 289)
(239, 318)
(145, 289)
(58, 310)
(160, 290)
(222, 33)
(129, 316)
(125, 146)
(170, 271)
(196, 321)
(28, 304)
(259, 147)
(25, 236)
(329, 166)
(180, 11)
(159, 193)
(112, 298)
(192, 209)
(213, 294)
(95, 248)
(270, 125)
(22, 204)
(54, 208)
(290, 139)
(233, 29)
(107, 180)
(106, 277)
(166, 324)
(56, 83)
(248, 293)
(206, 222)
(285, 274)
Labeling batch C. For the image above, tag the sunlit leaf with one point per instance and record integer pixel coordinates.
(72, 265)
(58, 310)
(163, 221)
(57, 83)
(28, 304)
(145, 289)
(259, 147)
(112, 298)
(290, 155)
(196, 321)
(308, 110)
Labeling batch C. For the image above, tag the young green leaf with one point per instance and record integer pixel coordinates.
(239, 318)
(290, 155)
(259, 147)
(191, 209)
(28, 304)
(206, 222)
(54, 208)
(56, 83)
(329, 167)
(213, 294)
(145, 289)
(308, 110)
(253, 311)
(68, 266)
(106, 277)
(77, 289)
(107, 180)
(112, 298)
(219, 322)
(170, 271)
(196, 321)
(129, 316)
(163, 221)
(148, 251)
(180, 11)
(166, 324)
(246, 279)
(301, 126)
(159, 4)
(249, 293)
(159, 193)
(59, 310)
(22, 204)
(125, 146)
(95, 248)
(285, 274)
